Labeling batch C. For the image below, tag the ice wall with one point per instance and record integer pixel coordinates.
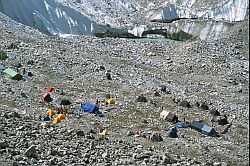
(233, 10)
(51, 17)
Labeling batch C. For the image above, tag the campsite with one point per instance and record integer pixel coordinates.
(84, 100)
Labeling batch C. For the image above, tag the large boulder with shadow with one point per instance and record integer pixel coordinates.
(222, 120)
(214, 112)
(185, 103)
(3, 55)
(202, 105)
(141, 98)
(163, 88)
(108, 76)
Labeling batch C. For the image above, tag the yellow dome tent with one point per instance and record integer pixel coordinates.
(111, 101)
(50, 113)
(56, 120)
(104, 133)
(61, 116)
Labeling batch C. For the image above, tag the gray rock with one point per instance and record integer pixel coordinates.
(31, 151)
(185, 103)
(134, 156)
(105, 155)
(14, 163)
(216, 164)
(3, 144)
(130, 133)
(142, 156)
(54, 152)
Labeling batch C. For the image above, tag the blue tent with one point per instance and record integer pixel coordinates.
(172, 132)
(208, 130)
(203, 128)
(18, 65)
(91, 108)
(46, 118)
(12, 74)
(30, 62)
(88, 107)
(196, 125)
(1, 69)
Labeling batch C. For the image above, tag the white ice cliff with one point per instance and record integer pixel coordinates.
(51, 17)
(233, 10)
(205, 30)
(207, 24)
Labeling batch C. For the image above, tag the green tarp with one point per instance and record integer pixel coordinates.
(12, 74)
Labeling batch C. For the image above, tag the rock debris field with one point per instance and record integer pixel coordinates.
(215, 73)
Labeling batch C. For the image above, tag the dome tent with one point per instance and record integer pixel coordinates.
(12, 74)
(90, 108)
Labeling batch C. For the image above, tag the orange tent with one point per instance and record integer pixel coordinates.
(50, 89)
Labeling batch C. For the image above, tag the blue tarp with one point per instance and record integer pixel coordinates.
(91, 108)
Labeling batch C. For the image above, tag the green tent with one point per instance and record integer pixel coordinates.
(3, 55)
(12, 74)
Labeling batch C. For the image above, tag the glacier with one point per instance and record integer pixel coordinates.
(50, 17)
(231, 11)
(114, 18)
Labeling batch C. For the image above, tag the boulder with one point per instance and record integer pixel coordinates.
(31, 151)
(214, 112)
(185, 103)
(141, 98)
(3, 55)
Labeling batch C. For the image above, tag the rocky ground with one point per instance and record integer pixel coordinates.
(215, 72)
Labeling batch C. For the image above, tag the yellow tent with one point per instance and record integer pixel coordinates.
(56, 120)
(61, 116)
(50, 113)
(104, 132)
(111, 101)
